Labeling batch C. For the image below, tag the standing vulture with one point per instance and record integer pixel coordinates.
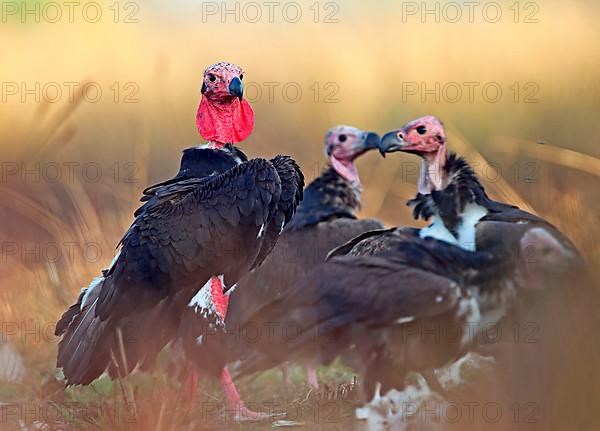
(194, 236)
(560, 297)
(324, 220)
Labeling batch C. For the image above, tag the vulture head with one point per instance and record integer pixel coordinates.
(425, 137)
(224, 116)
(343, 144)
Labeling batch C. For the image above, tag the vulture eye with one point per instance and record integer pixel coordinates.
(242, 77)
(212, 77)
(342, 138)
(421, 130)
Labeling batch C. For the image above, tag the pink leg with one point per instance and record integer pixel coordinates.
(191, 387)
(311, 376)
(234, 402)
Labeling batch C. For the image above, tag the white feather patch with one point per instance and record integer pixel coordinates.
(202, 301)
(95, 284)
(438, 231)
(112, 262)
(466, 231)
(261, 232)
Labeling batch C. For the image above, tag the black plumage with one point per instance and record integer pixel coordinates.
(371, 289)
(365, 300)
(204, 222)
(324, 220)
(461, 188)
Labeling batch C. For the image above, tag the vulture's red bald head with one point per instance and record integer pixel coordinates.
(343, 144)
(424, 136)
(224, 116)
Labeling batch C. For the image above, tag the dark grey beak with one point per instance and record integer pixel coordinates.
(391, 142)
(236, 88)
(369, 141)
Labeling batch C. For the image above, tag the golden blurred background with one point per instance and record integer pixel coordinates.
(93, 112)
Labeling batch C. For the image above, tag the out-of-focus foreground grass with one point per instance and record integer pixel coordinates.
(72, 170)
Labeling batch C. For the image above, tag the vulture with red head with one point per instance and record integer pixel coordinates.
(193, 237)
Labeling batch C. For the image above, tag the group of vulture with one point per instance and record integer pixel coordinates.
(232, 244)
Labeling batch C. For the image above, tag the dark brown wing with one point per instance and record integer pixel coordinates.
(295, 254)
(368, 291)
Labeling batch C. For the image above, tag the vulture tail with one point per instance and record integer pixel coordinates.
(89, 345)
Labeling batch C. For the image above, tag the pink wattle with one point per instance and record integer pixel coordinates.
(229, 121)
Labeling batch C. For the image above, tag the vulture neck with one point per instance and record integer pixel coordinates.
(340, 190)
(432, 171)
(224, 120)
(329, 196)
(214, 145)
(346, 169)
(452, 197)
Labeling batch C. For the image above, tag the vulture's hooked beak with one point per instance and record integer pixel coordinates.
(391, 142)
(236, 88)
(368, 141)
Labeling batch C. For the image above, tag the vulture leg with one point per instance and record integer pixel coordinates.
(192, 377)
(234, 403)
(311, 376)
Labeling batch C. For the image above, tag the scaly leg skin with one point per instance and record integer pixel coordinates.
(235, 404)
(311, 377)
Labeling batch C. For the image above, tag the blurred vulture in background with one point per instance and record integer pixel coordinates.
(470, 268)
(325, 219)
(550, 336)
